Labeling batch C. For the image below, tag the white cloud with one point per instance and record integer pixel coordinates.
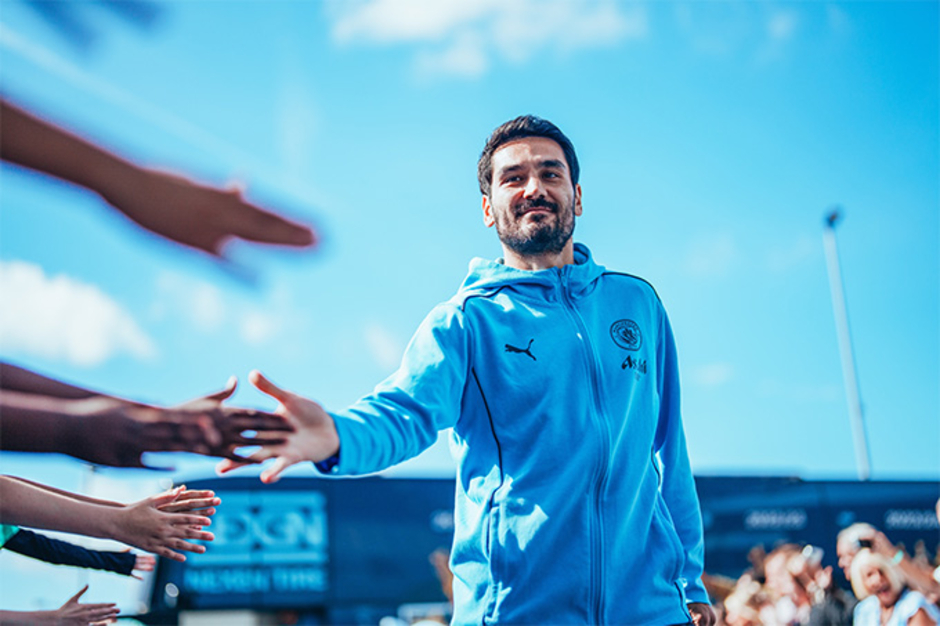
(257, 328)
(198, 302)
(521, 29)
(466, 38)
(208, 309)
(757, 30)
(781, 25)
(712, 374)
(388, 21)
(714, 29)
(712, 256)
(386, 349)
(780, 28)
(465, 57)
(58, 317)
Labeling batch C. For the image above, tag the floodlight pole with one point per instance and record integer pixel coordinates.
(849, 371)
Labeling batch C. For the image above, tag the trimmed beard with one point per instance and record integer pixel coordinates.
(543, 237)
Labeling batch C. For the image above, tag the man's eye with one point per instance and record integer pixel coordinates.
(552, 175)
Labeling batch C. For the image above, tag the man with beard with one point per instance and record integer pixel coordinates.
(575, 501)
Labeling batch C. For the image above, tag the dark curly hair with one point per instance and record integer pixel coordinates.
(523, 126)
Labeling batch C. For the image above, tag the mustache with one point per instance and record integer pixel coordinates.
(538, 203)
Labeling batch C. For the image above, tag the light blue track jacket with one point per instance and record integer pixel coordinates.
(575, 501)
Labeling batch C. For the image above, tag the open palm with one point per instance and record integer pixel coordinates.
(314, 437)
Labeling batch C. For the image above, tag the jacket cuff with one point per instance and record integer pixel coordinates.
(328, 466)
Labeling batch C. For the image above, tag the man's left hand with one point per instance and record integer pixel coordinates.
(702, 614)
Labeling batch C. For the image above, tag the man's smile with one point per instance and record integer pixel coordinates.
(538, 207)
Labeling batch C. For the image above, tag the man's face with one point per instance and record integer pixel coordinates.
(533, 202)
(846, 550)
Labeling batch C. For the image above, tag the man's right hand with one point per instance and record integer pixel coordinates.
(314, 437)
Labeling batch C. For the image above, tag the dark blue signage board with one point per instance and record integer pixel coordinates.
(269, 546)
(742, 512)
(312, 543)
(329, 546)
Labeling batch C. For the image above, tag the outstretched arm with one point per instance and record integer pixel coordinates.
(44, 415)
(142, 524)
(205, 506)
(69, 614)
(194, 215)
(59, 552)
(15, 378)
(314, 437)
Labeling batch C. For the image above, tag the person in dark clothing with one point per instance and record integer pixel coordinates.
(58, 552)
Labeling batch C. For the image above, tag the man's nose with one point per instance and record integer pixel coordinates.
(533, 187)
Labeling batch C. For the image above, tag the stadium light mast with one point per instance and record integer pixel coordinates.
(849, 371)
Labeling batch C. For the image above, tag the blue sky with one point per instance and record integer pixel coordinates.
(713, 138)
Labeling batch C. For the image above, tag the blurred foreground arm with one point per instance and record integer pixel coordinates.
(143, 524)
(69, 614)
(176, 208)
(45, 415)
(58, 552)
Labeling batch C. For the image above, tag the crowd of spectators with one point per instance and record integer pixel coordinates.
(885, 585)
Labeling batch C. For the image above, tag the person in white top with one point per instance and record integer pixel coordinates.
(885, 599)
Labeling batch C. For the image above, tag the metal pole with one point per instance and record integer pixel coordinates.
(849, 371)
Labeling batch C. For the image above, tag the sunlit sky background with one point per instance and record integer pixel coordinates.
(713, 138)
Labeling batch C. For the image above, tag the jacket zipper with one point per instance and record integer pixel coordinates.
(597, 571)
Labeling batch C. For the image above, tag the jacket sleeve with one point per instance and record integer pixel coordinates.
(402, 416)
(58, 552)
(678, 486)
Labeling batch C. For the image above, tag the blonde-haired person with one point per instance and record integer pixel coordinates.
(750, 604)
(885, 598)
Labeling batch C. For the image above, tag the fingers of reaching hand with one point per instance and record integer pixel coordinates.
(180, 540)
(78, 595)
(256, 440)
(170, 495)
(257, 224)
(193, 494)
(145, 563)
(190, 505)
(102, 612)
(87, 612)
(212, 400)
(240, 420)
(180, 433)
(251, 428)
(182, 525)
(233, 461)
(273, 473)
(266, 386)
(226, 392)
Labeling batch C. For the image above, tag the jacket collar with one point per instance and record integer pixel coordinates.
(486, 275)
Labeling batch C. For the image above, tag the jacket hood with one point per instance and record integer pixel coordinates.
(486, 275)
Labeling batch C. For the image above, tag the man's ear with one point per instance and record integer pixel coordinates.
(489, 218)
(577, 200)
